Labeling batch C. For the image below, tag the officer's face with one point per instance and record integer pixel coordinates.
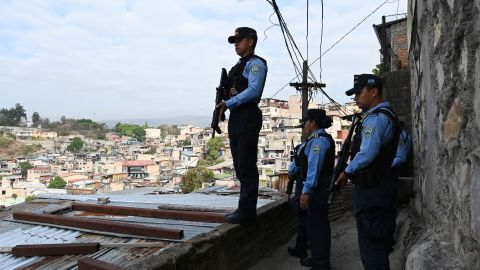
(243, 46)
(309, 127)
(362, 98)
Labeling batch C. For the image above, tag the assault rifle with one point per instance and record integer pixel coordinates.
(342, 159)
(220, 96)
(291, 180)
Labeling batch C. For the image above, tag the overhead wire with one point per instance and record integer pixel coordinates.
(272, 2)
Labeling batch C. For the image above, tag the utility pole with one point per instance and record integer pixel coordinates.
(305, 86)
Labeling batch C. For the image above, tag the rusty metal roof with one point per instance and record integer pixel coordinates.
(20, 233)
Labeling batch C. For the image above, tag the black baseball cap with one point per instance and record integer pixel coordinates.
(362, 80)
(242, 32)
(314, 114)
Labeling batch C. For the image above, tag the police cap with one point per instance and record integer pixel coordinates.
(362, 80)
(242, 32)
(315, 114)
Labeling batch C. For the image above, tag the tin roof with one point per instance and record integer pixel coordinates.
(14, 232)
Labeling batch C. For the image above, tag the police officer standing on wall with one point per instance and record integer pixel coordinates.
(316, 163)
(246, 82)
(373, 150)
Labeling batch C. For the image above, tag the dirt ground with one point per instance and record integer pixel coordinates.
(344, 252)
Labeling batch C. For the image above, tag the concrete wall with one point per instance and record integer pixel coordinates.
(445, 80)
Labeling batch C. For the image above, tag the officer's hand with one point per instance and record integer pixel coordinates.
(304, 200)
(223, 107)
(341, 180)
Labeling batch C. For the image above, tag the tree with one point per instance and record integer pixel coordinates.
(76, 145)
(63, 119)
(194, 178)
(187, 142)
(378, 70)
(25, 166)
(213, 148)
(138, 132)
(36, 119)
(14, 196)
(12, 116)
(57, 182)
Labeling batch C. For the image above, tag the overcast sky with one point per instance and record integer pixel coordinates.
(112, 59)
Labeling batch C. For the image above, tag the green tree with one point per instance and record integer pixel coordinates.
(194, 178)
(187, 142)
(138, 132)
(57, 182)
(12, 116)
(25, 166)
(76, 145)
(14, 196)
(36, 119)
(213, 147)
(30, 198)
(378, 70)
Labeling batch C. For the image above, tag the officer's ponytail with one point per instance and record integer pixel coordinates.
(324, 122)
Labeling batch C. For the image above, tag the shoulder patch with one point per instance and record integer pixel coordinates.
(254, 68)
(368, 130)
(316, 148)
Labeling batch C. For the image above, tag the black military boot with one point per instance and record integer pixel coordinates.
(241, 217)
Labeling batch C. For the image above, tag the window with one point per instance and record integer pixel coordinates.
(3, 192)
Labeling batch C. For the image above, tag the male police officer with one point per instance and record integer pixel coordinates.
(373, 150)
(316, 161)
(246, 82)
(294, 174)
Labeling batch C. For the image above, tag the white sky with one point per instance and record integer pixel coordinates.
(112, 59)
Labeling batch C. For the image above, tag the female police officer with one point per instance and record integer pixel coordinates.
(316, 163)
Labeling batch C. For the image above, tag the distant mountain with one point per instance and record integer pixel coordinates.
(195, 120)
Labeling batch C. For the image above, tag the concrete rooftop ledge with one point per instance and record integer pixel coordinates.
(229, 246)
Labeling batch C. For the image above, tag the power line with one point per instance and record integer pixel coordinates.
(307, 28)
(321, 42)
(333, 45)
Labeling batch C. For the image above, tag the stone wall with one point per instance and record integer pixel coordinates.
(445, 79)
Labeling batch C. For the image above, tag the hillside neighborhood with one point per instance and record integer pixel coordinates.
(161, 159)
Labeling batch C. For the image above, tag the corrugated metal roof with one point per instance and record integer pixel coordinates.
(178, 199)
(33, 235)
(119, 256)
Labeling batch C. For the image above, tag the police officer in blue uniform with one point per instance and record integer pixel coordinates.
(246, 82)
(316, 163)
(373, 150)
(294, 174)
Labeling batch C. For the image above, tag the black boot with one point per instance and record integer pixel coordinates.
(241, 217)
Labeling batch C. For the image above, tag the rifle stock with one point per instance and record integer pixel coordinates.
(342, 160)
(221, 95)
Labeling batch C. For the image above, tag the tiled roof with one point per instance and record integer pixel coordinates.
(131, 163)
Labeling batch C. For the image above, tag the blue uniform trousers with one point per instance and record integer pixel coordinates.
(302, 236)
(376, 222)
(244, 127)
(319, 234)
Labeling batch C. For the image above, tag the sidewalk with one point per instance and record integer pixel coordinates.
(344, 253)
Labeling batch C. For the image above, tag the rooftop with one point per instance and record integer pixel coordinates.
(45, 221)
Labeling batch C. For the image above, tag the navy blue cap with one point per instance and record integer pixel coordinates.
(362, 80)
(314, 114)
(242, 32)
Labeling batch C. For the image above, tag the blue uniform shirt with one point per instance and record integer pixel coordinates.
(255, 71)
(404, 144)
(376, 131)
(316, 150)
(292, 168)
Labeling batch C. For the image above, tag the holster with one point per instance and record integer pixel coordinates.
(366, 178)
